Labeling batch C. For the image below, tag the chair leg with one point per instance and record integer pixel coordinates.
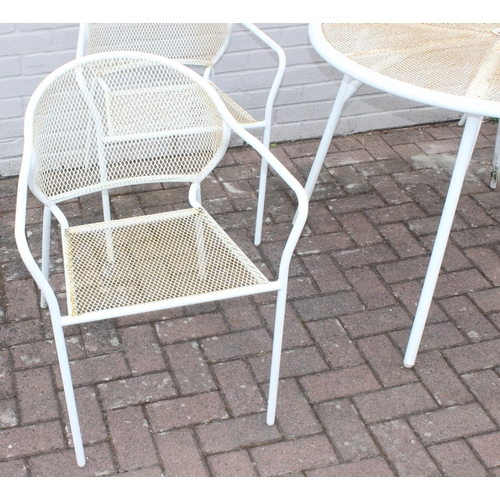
(47, 220)
(69, 393)
(198, 194)
(279, 323)
(106, 207)
(262, 188)
(467, 144)
(496, 161)
(200, 248)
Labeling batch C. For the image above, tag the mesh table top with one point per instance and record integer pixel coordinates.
(419, 61)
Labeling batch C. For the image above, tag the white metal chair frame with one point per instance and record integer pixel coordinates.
(29, 177)
(355, 75)
(208, 63)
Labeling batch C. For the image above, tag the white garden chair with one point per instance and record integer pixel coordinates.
(193, 44)
(74, 146)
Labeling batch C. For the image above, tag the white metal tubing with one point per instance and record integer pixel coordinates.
(293, 183)
(156, 135)
(106, 208)
(83, 34)
(496, 161)
(262, 190)
(346, 90)
(279, 74)
(279, 322)
(42, 282)
(267, 125)
(69, 392)
(255, 125)
(467, 143)
(94, 113)
(224, 46)
(170, 303)
(46, 225)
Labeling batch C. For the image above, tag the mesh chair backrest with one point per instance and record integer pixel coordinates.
(195, 43)
(109, 121)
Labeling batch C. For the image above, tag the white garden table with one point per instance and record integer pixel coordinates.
(451, 66)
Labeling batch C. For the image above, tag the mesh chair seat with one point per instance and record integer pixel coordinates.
(150, 259)
(456, 59)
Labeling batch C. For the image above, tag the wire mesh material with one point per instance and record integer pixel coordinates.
(191, 44)
(239, 114)
(114, 121)
(194, 43)
(152, 258)
(457, 59)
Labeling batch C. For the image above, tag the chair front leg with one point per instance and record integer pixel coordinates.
(279, 323)
(69, 393)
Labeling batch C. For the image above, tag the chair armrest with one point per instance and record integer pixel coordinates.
(20, 231)
(289, 179)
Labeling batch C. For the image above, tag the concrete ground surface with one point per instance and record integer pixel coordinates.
(183, 392)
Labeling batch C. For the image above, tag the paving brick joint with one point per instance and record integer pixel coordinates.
(183, 392)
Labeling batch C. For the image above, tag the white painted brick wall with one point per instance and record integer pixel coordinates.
(29, 52)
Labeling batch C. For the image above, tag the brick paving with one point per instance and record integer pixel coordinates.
(183, 392)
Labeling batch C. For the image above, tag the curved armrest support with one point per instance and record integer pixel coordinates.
(280, 72)
(288, 178)
(302, 199)
(22, 240)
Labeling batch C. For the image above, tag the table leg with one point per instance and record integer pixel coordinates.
(496, 161)
(346, 90)
(471, 130)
